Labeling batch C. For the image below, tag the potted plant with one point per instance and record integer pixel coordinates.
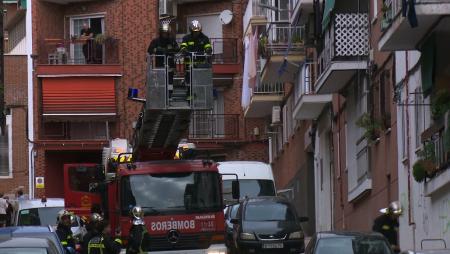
(419, 171)
(428, 158)
(370, 125)
(440, 104)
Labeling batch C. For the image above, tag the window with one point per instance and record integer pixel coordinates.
(268, 212)
(96, 23)
(384, 99)
(83, 178)
(6, 148)
(76, 130)
(403, 133)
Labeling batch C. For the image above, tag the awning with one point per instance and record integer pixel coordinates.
(78, 97)
(329, 6)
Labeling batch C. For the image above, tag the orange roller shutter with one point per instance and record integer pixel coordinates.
(78, 96)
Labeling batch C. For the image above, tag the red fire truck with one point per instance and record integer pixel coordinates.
(182, 199)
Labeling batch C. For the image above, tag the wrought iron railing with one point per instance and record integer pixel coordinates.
(268, 88)
(205, 125)
(78, 51)
(346, 38)
(285, 39)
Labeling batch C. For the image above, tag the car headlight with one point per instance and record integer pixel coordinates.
(247, 236)
(296, 235)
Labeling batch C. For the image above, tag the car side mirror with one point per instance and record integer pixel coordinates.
(303, 219)
(234, 221)
(236, 192)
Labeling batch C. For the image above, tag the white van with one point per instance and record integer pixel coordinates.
(255, 178)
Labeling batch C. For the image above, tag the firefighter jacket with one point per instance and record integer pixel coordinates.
(139, 240)
(199, 44)
(163, 47)
(65, 236)
(102, 244)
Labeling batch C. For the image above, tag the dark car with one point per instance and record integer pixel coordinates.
(348, 243)
(40, 232)
(27, 245)
(268, 225)
(230, 213)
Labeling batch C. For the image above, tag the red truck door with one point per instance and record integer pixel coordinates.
(80, 191)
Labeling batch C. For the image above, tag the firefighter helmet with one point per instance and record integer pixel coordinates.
(95, 217)
(138, 215)
(63, 213)
(195, 26)
(164, 26)
(394, 208)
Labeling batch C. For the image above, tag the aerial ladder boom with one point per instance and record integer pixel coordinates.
(172, 95)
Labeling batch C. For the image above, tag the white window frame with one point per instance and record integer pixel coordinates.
(10, 142)
(87, 16)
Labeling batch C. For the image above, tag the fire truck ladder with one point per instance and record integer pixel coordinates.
(172, 95)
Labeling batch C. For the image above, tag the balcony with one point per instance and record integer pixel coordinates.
(255, 15)
(398, 33)
(263, 97)
(205, 126)
(284, 51)
(69, 57)
(301, 10)
(309, 105)
(344, 53)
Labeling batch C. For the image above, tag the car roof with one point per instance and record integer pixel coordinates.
(25, 242)
(267, 199)
(337, 234)
(25, 230)
(37, 203)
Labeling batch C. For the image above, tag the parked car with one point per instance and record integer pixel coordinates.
(255, 179)
(230, 213)
(348, 243)
(268, 225)
(17, 240)
(43, 212)
(434, 246)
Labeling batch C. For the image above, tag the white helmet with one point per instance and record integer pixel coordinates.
(62, 214)
(195, 26)
(393, 208)
(138, 215)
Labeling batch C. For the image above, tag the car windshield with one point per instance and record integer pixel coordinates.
(266, 211)
(352, 245)
(23, 250)
(172, 193)
(249, 188)
(41, 216)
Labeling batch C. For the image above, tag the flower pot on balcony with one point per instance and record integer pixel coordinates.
(430, 167)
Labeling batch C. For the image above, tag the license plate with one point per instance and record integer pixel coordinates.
(273, 246)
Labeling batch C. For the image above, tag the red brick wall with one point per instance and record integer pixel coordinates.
(16, 101)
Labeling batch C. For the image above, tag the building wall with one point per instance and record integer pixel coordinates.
(16, 100)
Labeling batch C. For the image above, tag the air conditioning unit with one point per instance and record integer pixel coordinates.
(276, 115)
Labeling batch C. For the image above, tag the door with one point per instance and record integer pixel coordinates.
(324, 183)
(76, 49)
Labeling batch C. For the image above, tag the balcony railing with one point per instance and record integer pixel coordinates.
(77, 51)
(434, 139)
(214, 126)
(268, 89)
(346, 39)
(253, 10)
(224, 50)
(284, 38)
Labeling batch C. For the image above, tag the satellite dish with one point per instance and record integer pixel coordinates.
(226, 16)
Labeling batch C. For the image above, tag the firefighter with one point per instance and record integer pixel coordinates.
(64, 231)
(103, 243)
(387, 224)
(92, 230)
(195, 45)
(139, 237)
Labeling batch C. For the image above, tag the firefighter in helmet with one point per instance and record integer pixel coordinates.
(104, 243)
(64, 231)
(139, 238)
(387, 224)
(196, 46)
(92, 230)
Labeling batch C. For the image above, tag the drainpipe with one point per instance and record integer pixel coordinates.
(29, 46)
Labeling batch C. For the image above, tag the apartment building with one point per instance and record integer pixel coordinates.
(420, 34)
(76, 105)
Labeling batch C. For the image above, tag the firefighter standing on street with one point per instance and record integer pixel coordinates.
(64, 231)
(387, 224)
(195, 46)
(139, 239)
(92, 230)
(103, 243)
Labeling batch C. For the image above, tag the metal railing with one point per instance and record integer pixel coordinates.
(254, 9)
(283, 36)
(268, 88)
(78, 51)
(305, 84)
(224, 50)
(205, 125)
(437, 142)
(346, 38)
